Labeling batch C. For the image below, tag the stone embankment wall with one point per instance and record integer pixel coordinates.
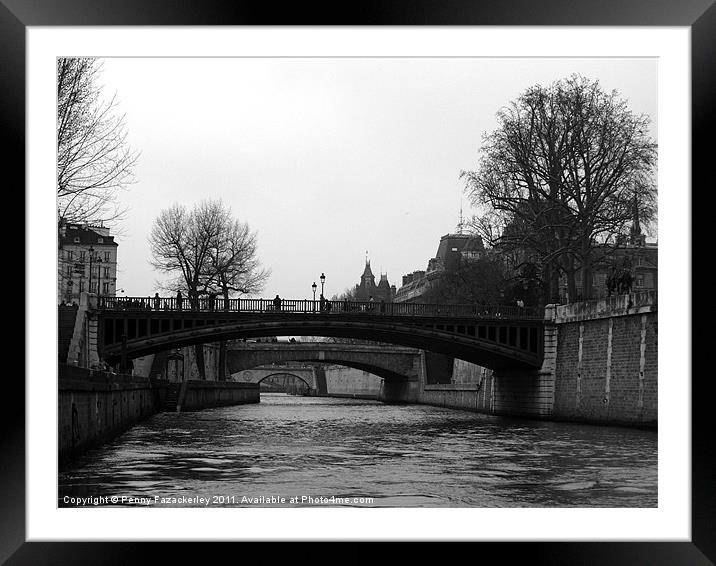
(343, 381)
(205, 394)
(470, 388)
(95, 406)
(607, 361)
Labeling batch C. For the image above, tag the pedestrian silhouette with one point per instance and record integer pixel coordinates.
(277, 303)
(625, 282)
(212, 301)
(179, 299)
(156, 301)
(625, 278)
(612, 281)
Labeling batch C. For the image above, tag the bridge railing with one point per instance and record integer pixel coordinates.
(323, 308)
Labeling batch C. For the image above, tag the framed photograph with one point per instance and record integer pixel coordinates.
(346, 149)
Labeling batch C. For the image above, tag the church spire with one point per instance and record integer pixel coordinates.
(460, 223)
(635, 234)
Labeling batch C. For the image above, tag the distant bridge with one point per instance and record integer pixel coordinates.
(386, 361)
(306, 374)
(496, 337)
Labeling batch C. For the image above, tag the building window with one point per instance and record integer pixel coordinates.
(106, 272)
(82, 256)
(69, 255)
(640, 281)
(93, 287)
(77, 240)
(100, 240)
(82, 286)
(105, 288)
(106, 256)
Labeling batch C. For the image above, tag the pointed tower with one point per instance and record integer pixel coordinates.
(385, 292)
(367, 280)
(636, 238)
(460, 222)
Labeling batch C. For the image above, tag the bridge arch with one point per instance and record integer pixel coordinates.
(388, 362)
(494, 343)
(258, 374)
(282, 373)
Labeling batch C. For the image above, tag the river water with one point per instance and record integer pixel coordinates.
(368, 454)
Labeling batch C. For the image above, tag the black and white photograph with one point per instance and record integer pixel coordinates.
(406, 282)
(399, 288)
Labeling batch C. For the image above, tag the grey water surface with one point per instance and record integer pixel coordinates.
(307, 450)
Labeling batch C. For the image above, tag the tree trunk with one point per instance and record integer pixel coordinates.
(587, 282)
(587, 273)
(571, 274)
(551, 283)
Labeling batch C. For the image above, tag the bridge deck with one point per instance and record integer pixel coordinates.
(305, 306)
(490, 336)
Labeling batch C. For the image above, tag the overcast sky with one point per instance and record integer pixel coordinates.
(325, 158)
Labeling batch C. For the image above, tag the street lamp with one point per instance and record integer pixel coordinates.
(323, 280)
(314, 295)
(91, 251)
(99, 275)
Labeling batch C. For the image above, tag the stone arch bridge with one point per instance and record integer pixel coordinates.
(303, 372)
(392, 363)
(491, 336)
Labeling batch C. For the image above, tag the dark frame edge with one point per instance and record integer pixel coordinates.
(12, 417)
(703, 91)
(701, 550)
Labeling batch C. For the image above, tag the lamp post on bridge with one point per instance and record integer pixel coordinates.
(98, 261)
(323, 280)
(314, 295)
(91, 251)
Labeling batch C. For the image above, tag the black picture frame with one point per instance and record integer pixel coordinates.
(17, 15)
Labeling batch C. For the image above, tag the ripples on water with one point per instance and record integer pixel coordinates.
(401, 456)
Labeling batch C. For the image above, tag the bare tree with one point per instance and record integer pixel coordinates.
(471, 282)
(234, 266)
(563, 171)
(348, 294)
(93, 159)
(204, 251)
